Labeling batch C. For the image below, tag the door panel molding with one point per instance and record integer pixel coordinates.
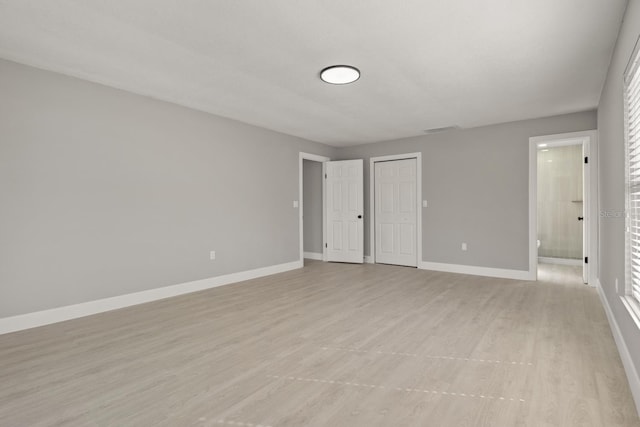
(418, 201)
(345, 230)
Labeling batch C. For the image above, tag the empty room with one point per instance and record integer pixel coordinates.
(320, 213)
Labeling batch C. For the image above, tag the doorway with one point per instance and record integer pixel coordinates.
(560, 235)
(562, 202)
(396, 216)
(311, 207)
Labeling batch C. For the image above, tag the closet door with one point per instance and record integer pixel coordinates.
(395, 212)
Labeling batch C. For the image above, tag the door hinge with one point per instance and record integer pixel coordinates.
(325, 245)
(325, 176)
(586, 260)
(586, 160)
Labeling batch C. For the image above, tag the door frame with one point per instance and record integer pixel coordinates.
(589, 142)
(372, 188)
(314, 158)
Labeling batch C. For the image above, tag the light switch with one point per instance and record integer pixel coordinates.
(295, 203)
(424, 204)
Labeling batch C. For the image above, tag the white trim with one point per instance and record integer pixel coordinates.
(324, 210)
(586, 212)
(632, 307)
(477, 271)
(590, 140)
(314, 158)
(559, 139)
(313, 255)
(623, 350)
(533, 208)
(60, 314)
(559, 261)
(372, 234)
(368, 259)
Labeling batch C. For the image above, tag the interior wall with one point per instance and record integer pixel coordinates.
(312, 206)
(612, 181)
(560, 202)
(476, 183)
(106, 193)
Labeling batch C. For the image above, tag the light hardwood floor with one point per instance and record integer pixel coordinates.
(330, 345)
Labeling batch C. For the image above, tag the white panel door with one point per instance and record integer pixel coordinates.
(395, 212)
(345, 237)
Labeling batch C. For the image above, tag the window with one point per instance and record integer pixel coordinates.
(632, 141)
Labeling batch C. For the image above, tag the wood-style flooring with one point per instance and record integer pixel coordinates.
(330, 345)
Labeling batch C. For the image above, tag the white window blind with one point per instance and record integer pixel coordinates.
(632, 137)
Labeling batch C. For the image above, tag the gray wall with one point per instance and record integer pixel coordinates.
(106, 193)
(312, 206)
(612, 180)
(476, 182)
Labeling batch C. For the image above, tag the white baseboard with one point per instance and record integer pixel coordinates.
(60, 314)
(627, 361)
(559, 261)
(477, 271)
(313, 255)
(318, 256)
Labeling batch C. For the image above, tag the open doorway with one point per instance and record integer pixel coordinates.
(312, 201)
(560, 235)
(563, 203)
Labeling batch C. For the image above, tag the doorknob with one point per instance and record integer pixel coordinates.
(359, 216)
(580, 218)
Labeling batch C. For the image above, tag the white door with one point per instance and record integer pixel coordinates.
(395, 212)
(345, 237)
(585, 212)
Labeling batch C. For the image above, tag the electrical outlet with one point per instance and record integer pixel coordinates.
(464, 246)
(212, 255)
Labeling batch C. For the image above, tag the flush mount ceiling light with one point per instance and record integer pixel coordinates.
(340, 74)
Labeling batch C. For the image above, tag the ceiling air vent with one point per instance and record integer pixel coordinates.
(439, 130)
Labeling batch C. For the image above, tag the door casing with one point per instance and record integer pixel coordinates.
(589, 141)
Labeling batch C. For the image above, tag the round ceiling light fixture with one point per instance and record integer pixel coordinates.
(340, 74)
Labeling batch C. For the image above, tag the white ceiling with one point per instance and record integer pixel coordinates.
(424, 63)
